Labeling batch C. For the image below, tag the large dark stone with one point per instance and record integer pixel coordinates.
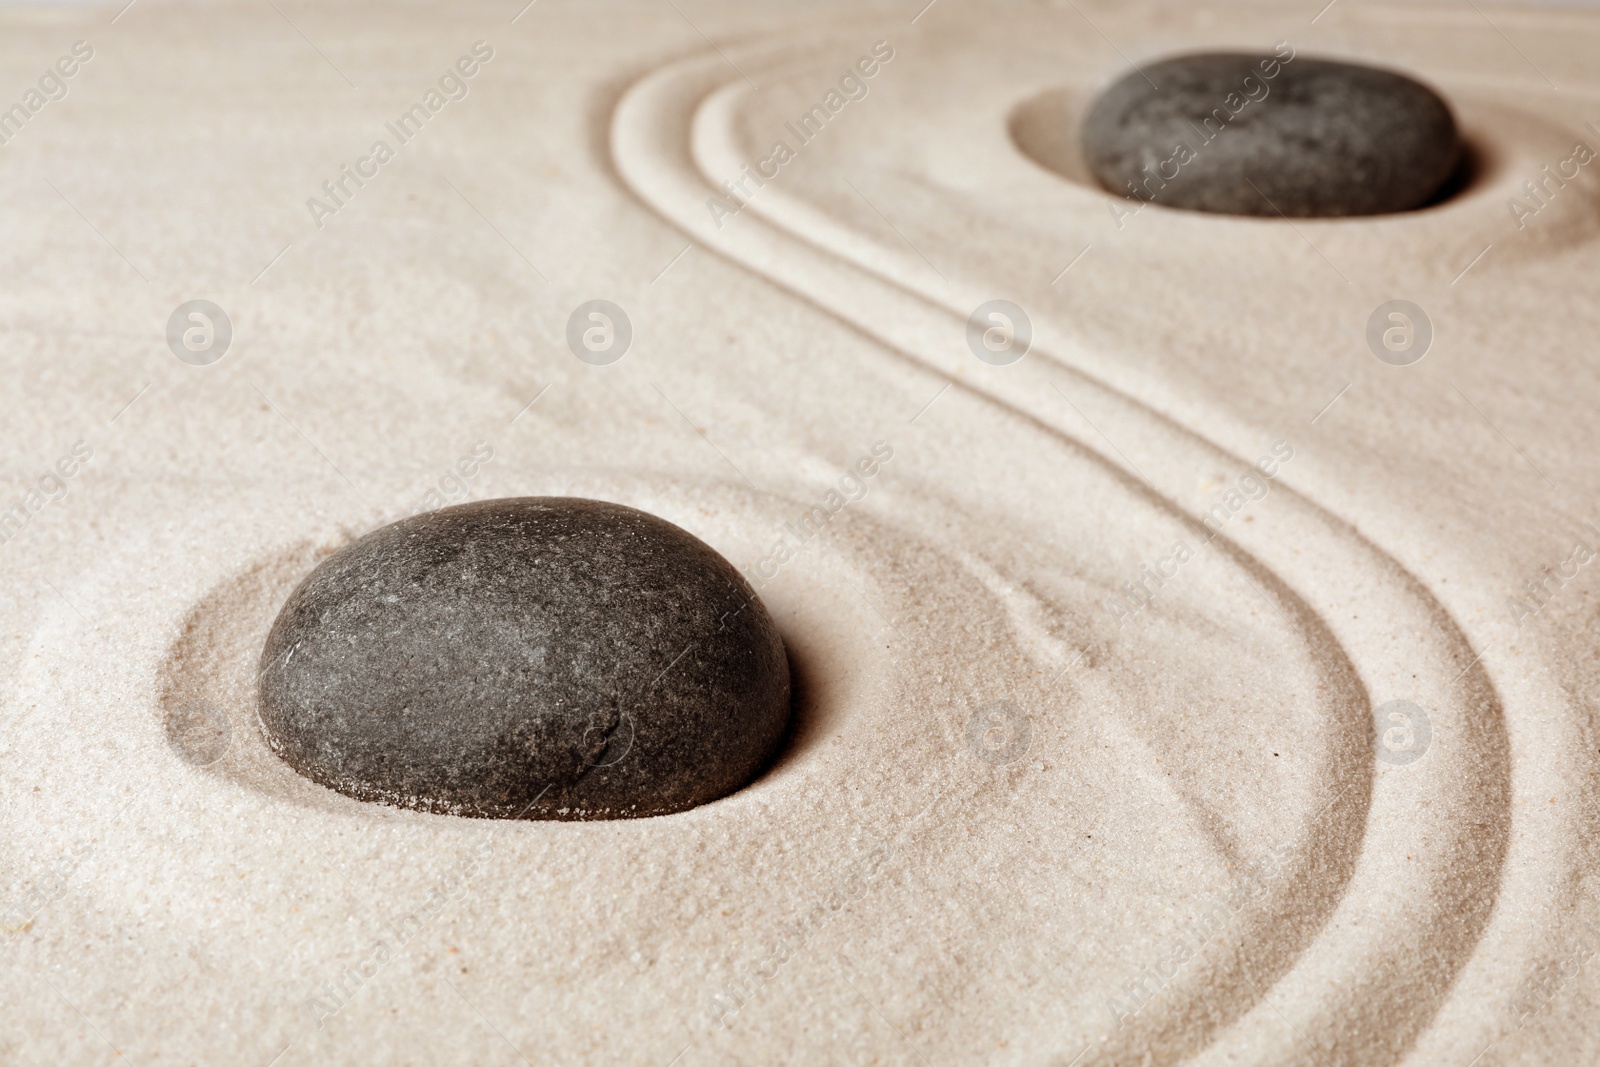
(1259, 135)
(539, 657)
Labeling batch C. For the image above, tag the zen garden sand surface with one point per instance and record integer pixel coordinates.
(1189, 619)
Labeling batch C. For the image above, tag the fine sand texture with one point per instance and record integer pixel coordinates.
(1194, 670)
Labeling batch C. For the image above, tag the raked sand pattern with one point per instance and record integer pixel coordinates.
(1193, 661)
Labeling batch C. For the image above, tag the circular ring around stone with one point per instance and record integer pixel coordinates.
(1404, 732)
(199, 732)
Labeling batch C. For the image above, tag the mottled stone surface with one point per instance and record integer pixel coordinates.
(1259, 135)
(537, 657)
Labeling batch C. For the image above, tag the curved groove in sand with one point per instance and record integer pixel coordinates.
(1450, 811)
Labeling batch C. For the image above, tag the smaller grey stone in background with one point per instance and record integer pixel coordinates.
(599, 332)
(1404, 732)
(199, 332)
(999, 332)
(1244, 134)
(999, 732)
(1399, 333)
(199, 732)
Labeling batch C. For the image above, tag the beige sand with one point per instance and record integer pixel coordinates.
(1195, 855)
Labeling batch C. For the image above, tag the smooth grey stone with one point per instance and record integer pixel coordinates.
(1315, 138)
(536, 657)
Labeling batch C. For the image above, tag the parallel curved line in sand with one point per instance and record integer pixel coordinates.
(1400, 639)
